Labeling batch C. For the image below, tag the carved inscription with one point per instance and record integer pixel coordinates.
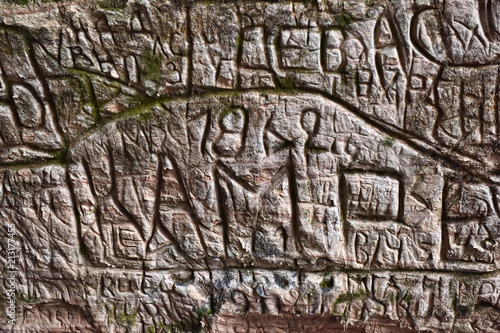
(250, 166)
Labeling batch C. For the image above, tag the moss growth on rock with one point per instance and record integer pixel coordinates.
(121, 317)
(348, 297)
(326, 283)
(465, 310)
(26, 298)
(112, 4)
(21, 2)
(388, 142)
(152, 66)
(342, 20)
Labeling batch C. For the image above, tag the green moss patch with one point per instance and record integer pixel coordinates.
(152, 66)
(348, 297)
(388, 142)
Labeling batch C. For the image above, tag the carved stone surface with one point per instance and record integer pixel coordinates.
(188, 166)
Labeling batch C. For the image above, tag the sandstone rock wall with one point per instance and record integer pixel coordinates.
(187, 166)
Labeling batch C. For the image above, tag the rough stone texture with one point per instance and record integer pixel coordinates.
(280, 166)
